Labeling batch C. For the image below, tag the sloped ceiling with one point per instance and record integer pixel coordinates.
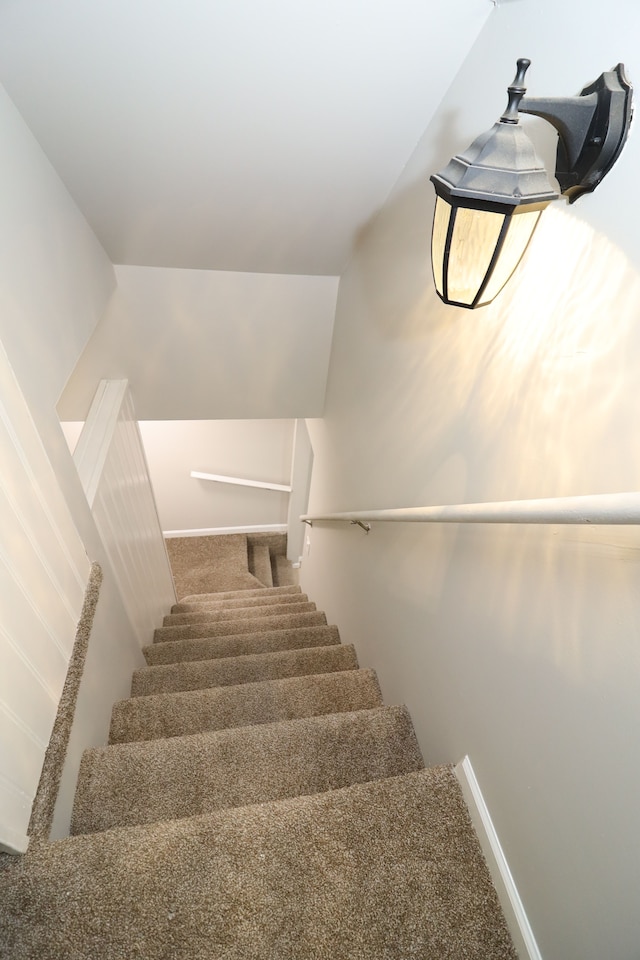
(243, 135)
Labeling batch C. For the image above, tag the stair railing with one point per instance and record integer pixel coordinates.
(592, 509)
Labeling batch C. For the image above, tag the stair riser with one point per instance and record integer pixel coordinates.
(227, 628)
(137, 783)
(260, 563)
(179, 714)
(182, 651)
(248, 669)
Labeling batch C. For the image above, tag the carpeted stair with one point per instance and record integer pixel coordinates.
(256, 801)
(228, 628)
(269, 641)
(268, 559)
(230, 562)
(260, 563)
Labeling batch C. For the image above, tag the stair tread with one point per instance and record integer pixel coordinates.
(128, 783)
(169, 678)
(210, 648)
(204, 563)
(229, 627)
(245, 613)
(235, 594)
(390, 868)
(281, 602)
(176, 714)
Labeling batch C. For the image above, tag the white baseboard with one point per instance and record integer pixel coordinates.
(214, 531)
(510, 901)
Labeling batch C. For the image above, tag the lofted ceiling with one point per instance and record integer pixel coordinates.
(244, 135)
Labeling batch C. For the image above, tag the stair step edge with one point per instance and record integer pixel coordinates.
(153, 780)
(242, 613)
(241, 644)
(229, 628)
(228, 671)
(158, 716)
(235, 594)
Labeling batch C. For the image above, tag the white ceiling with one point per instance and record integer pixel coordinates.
(250, 135)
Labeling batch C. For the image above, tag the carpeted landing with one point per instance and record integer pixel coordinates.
(256, 801)
(229, 562)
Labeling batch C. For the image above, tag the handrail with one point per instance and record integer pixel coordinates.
(282, 487)
(602, 508)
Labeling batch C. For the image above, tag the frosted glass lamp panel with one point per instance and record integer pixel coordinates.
(438, 241)
(519, 232)
(475, 236)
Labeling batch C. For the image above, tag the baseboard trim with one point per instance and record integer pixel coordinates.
(214, 531)
(510, 901)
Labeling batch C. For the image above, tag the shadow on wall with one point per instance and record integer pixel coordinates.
(534, 389)
(515, 644)
(533, 396)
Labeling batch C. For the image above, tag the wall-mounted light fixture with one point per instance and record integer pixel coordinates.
(489, 198)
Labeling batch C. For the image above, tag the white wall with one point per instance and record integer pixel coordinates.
(205, 345)
(247, 449)
(55, 281)
(43, 575)
(516, 645)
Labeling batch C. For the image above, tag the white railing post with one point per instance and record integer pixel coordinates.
(301, 467)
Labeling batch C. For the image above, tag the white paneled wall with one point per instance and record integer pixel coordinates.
(43, 575)
(113, 469)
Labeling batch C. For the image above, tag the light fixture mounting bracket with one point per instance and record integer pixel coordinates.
(592, 129)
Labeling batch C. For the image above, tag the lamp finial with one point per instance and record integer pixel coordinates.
(516, 92)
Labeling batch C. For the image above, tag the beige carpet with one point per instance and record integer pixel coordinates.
(227, 671)
(257, 801)
(388, 870)
(266, 641)
(229, 562)
(210, 564)
(219, 708)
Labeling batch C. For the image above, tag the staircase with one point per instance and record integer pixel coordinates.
(256, 800)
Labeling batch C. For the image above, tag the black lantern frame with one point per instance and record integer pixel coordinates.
(480, 232)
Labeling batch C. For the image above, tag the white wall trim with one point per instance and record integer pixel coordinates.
(512, 907)
(214, 531)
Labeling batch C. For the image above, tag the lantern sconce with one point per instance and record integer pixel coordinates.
(489, 198)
